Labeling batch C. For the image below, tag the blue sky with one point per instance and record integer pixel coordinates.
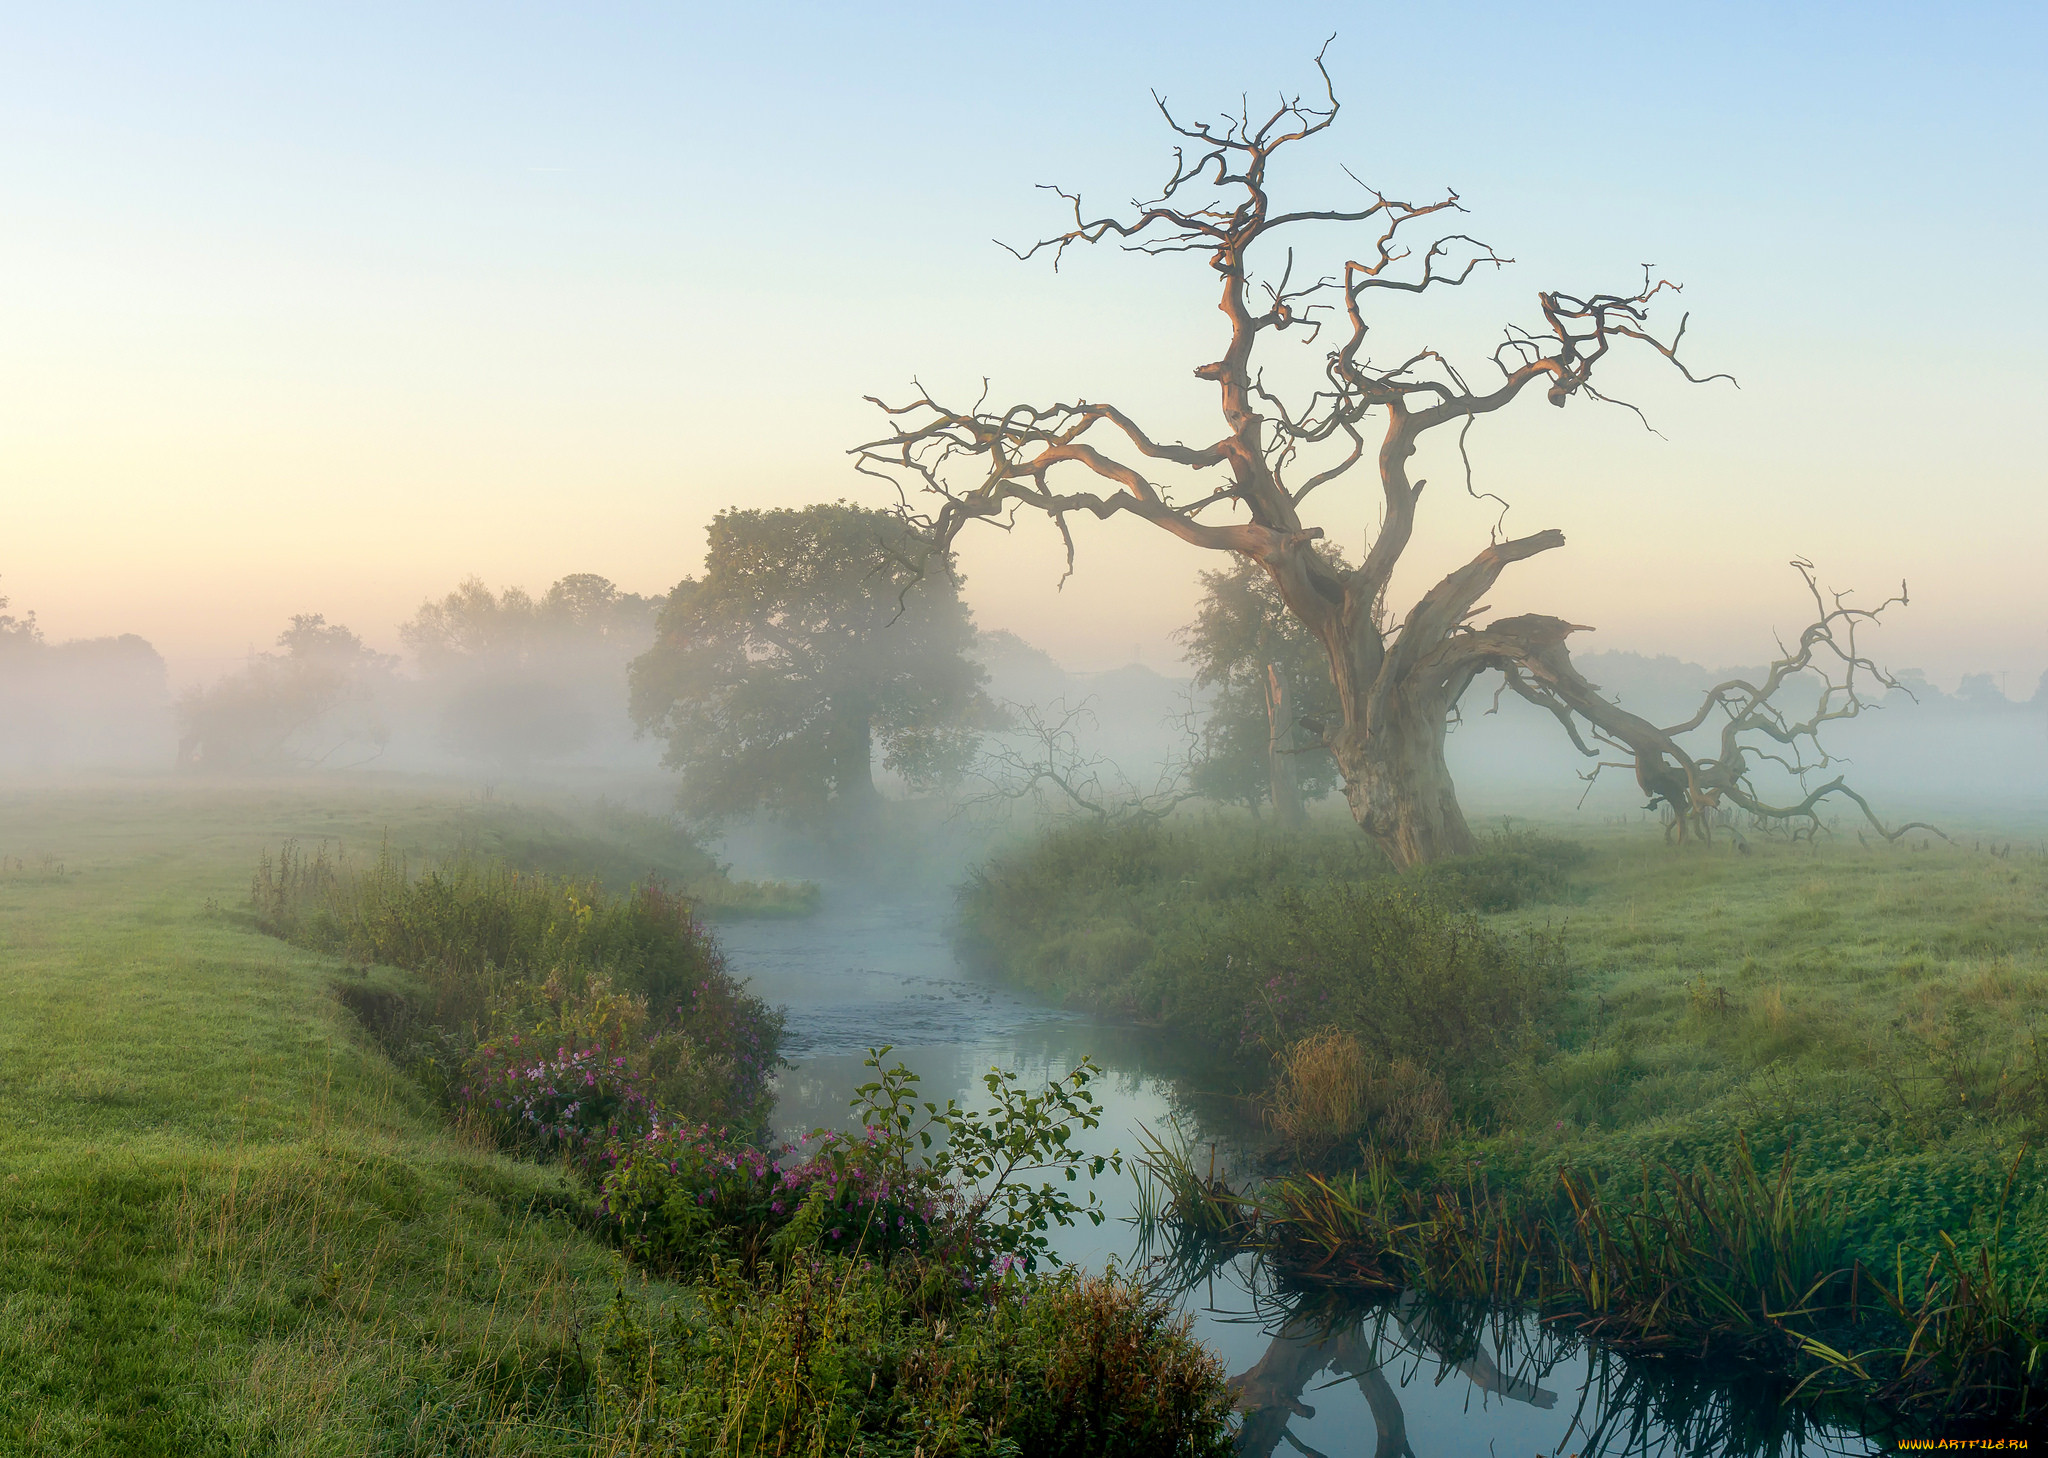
(321, 309)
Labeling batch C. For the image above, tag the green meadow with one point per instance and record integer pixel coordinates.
(230, 1224)
(1703, 1098)
(226, 1224)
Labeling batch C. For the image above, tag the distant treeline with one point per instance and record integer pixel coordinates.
(506, 681)
(82, 701)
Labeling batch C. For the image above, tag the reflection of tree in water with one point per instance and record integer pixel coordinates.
(1269, 1392)
(1673, 1408)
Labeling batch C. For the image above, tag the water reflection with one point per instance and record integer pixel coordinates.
(1327, 1380)
(1424, 1380)
(1270, 1392)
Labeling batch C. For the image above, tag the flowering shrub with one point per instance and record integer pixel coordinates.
(870, 1199)
(681, 1194)
(957, 1188)
(574, 1102)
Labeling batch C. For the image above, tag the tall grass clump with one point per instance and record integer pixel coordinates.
(1512, 868)
(1074, 914)
(1396, 968)
(1331, 1091)
(530, 986)
(618, 847)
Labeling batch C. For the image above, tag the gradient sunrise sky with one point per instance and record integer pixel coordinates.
(323, 308)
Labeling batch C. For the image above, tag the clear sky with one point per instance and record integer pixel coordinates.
(322, 308)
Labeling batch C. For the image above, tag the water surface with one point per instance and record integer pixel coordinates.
(1385, 1381)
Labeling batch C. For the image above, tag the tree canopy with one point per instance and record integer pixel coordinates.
(814, 639)
(80, 700)
(473, 626)
(520, 678)
(312, 704)
(17, 633)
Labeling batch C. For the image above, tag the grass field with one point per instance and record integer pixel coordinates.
(1705, 977)
(226, 1226)
(1880, 1011)
(1867, 1019)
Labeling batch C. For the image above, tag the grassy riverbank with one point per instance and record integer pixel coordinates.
(1865, 1020)
(228, 1224)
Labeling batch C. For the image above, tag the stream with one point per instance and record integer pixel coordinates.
(1384, 1381)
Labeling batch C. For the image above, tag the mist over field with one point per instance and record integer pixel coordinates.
(1053, 732)
(516, 697)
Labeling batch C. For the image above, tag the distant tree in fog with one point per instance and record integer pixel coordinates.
(312, 705)
(1270, 696)
(519, 678)
(17, 634)
(814, 639)
(1297, 432)
(1019, 672)
(1981, 691)
(83, 701)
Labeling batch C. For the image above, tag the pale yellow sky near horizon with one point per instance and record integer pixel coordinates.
(297, 321)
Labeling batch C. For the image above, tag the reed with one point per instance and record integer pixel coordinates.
(1733, 1264)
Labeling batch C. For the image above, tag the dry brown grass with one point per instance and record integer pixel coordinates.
(1331, 1090)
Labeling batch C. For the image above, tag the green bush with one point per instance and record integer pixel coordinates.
(558, 966)
(839, 1358)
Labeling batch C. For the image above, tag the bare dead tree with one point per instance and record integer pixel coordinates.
(1246, 490)
(1749, 728)
(1045, 762)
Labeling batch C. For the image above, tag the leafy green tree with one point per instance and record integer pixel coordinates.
(520, 678)
(814, 638)
(1269, 682)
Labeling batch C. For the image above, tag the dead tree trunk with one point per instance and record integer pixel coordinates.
(1398, 785)
(1245, 490)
